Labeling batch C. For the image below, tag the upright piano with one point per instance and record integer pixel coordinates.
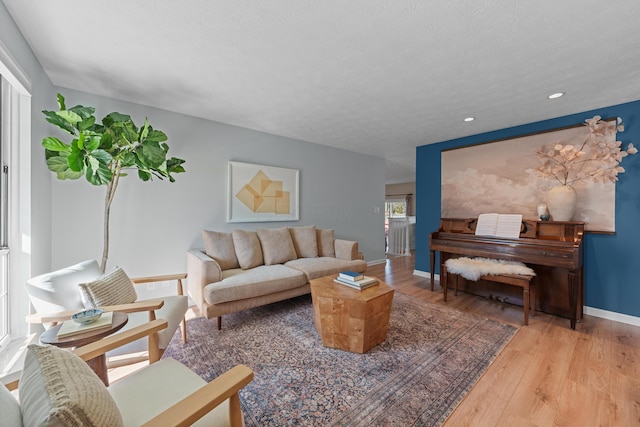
(554, 249)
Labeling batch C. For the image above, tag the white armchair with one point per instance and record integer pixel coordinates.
(56, 296)
(161, 394)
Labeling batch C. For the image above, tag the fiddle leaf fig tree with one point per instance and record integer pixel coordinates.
(103, 152)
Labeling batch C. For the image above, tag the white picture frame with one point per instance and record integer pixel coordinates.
(260, 193)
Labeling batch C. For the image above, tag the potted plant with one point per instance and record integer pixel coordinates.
(103, 152)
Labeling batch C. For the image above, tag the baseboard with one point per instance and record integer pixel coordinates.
(436, 277)
(378, 261)
(591, 311)
(612, 315)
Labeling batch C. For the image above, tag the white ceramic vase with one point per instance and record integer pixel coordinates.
(561, 202)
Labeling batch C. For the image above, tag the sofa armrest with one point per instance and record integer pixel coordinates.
(346, 249)
(201, 270)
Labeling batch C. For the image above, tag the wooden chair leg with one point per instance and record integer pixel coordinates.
(219, 323)
(153, 342)
(183, 329)
(235, 411)
(155, 353)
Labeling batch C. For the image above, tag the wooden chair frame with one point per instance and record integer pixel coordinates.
(191, 408)
(155, 353)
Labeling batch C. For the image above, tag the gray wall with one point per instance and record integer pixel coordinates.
(153, 224)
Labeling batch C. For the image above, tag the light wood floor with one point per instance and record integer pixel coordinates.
(548, 375)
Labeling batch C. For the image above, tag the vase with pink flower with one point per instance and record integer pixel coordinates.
(597, 159)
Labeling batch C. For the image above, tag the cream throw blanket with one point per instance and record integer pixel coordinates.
(473, 268)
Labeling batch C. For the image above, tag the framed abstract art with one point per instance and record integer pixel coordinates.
(259, 193)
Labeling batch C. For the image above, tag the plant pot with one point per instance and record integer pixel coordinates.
(561, 202)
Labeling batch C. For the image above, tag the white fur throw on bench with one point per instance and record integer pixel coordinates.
(474, 268)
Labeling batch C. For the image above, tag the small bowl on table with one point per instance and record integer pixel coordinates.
(87, 316)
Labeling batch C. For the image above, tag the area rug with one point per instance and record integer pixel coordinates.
(432, 357)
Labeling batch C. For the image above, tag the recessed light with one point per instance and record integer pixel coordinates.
(555, 95)
(469, 119)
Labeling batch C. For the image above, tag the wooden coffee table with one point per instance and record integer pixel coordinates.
(350, 319)
(99, 363)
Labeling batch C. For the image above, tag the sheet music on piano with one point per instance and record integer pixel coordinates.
(499, 225)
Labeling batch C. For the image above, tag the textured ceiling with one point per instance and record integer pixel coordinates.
(379, 77)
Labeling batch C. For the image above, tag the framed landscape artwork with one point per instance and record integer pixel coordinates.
(260, 193)
(500, 177)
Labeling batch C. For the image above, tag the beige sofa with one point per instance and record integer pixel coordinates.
(246, 269)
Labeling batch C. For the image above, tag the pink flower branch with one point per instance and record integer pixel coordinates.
(597, 159)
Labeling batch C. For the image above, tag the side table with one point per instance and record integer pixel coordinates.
(351, 319)
(98, 363)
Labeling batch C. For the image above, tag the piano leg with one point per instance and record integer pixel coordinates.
(432, 265)
(581, 294)
(525, 304)
(573, 297)
(532, 288)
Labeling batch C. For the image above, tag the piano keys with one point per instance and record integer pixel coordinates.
(554, 249)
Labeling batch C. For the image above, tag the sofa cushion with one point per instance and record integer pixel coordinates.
(57, 388)
(238, 284)
(112, 288)
(324, 266)
(305, 241)
(219, 246)
(247, 247)
(277, 247)
(326, 241)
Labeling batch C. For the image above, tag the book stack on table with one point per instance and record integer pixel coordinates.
(355, 280)
(70, 328)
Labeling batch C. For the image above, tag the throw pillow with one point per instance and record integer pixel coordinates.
(219, 246)
(247, 247)
(57, 388)
(326, 242)
(112, 288)
(277, 247)
(305, 241)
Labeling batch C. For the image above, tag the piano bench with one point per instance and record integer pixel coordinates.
(525, 281)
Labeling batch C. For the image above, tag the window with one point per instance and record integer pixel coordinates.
(15, 197)
(395, 208)
(4, 297)
(4, 225)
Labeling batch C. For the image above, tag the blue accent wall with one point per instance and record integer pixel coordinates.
(612, 262)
